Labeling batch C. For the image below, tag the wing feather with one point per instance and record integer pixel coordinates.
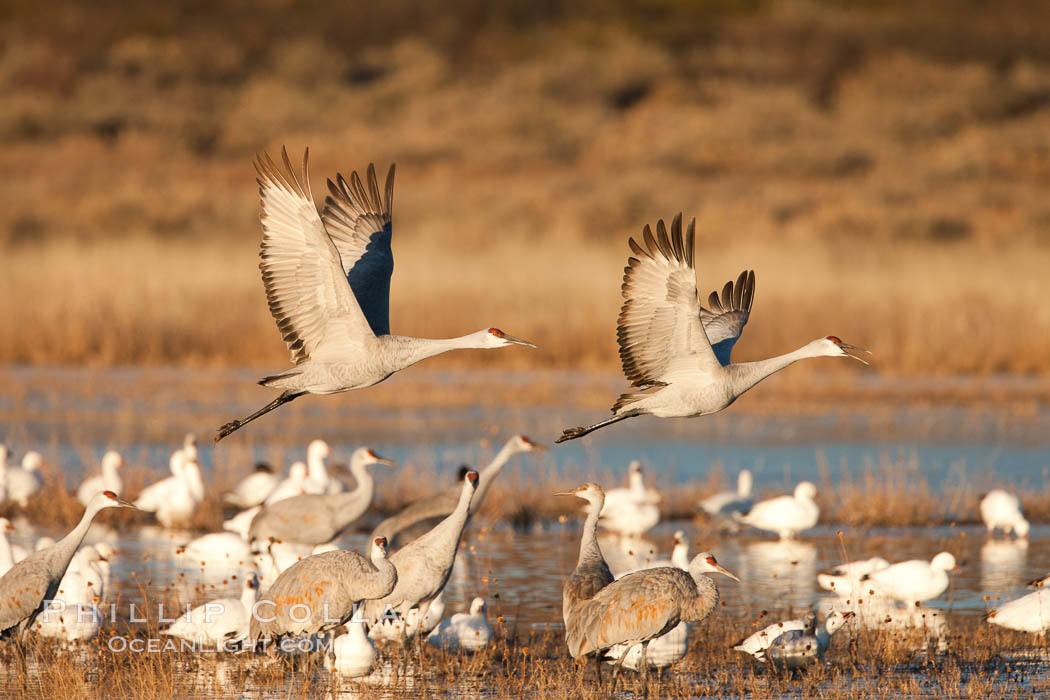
(725, 318)
(314, 308)
(659, 329)
(358, 218)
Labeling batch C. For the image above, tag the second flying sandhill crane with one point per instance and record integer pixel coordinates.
(436, 506)
(321, 592)
(26, 587)
(318, 518)
(592, 571)
(676, 351)
(327, 280)
(425, 564)
(644, 605)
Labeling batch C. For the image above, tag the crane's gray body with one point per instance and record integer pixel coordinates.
(425, 564)
(640, 607)
(328, 585)
(316, 518)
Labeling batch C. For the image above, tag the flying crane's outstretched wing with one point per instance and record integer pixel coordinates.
(659, 329)
(725, 320)
(359, 222)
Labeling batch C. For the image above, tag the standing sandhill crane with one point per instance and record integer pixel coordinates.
(592, 572)
(108, 480)
(318, 518)
(320, 592)
(424, 564)
(327, 282)
(436, 506)
(642, 606)
(29, 584)
(253, 489)
(675, 350)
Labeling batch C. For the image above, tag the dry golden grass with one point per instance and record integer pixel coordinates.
(882, 171)
(980, 662)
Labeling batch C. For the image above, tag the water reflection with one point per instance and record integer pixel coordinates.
(783, 571)
(1002, 563)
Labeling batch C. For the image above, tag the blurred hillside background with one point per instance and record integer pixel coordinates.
(883, 166)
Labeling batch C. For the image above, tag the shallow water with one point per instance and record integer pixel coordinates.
(521, 573)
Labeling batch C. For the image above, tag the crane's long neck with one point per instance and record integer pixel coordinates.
(696, 608)
(385, 579)
(366, 485)
(744, 375)
(405, 351)
(445, 535)
(489, 473)
(589, 548)
(67, 546)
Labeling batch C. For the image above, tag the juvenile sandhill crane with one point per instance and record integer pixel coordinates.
(785, 515)
(644, 605)
(592, 572)
(912, 581)
(469, 631)
(222, 622)
(632, 511)
(327, 280)
(320, 592)
(108, 480)
(676, 351)
(1002, 510)
(318, 518)
(793, 644)
(254, 489)
(436, 506)
(25, 481)
(29, 584)
(424, 564)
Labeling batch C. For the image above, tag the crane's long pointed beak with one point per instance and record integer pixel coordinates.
(387, 462)
(126, 504)
(517, 341)
(535, 445)
(565, 493)
(854, 348)
(725, 572)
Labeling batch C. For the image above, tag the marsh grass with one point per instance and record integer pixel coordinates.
(873, 663)
(892, 194)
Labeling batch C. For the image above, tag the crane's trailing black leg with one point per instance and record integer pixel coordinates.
(573, 433)
(238, 424)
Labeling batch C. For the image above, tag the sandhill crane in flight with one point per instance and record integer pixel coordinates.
(676, 351)
(327, 280)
